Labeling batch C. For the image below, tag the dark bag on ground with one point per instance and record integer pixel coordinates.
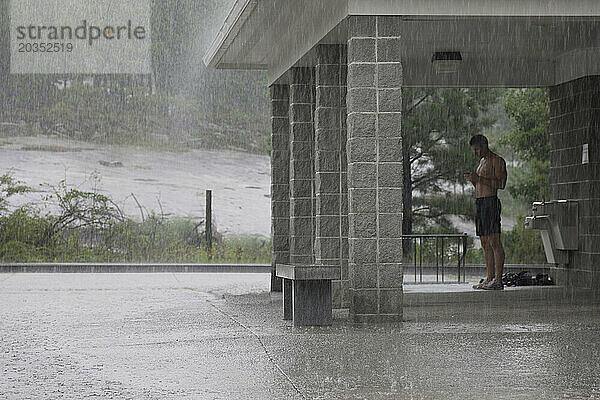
(524, 278)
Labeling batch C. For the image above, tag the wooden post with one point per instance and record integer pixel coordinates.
(208, 221)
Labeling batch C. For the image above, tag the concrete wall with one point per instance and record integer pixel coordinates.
(374, 149)
(280, 179)
(574, 122)
(331, 182)
(302, 137)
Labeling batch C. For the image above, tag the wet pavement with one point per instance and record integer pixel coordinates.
(220, 336)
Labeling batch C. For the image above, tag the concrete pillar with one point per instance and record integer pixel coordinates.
(330, 165)
(374, 147)
(344, 286)
(280, 188)
(301, 173)
(574, 123)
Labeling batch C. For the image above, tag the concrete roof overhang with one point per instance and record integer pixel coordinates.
(504, 43)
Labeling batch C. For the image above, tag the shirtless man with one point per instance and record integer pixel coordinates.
(489, 177)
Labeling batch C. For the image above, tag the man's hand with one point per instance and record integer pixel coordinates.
(472, 177)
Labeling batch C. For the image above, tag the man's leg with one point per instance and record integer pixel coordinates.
(488, 254)
(498, 249)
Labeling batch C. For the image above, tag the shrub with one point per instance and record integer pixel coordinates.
(523, 246)
(90, 228)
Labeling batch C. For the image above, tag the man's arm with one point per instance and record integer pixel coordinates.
(501, 174)
(472, 177)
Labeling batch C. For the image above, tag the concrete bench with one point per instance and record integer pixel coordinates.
(307, 292)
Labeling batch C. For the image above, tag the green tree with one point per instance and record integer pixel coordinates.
(523, 246)
(437, 126)
(530, 140)
(191, 103)
(182, 32)
(9, 186)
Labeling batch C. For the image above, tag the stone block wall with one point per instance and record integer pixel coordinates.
(301, 173)
(280, 168)
(331, 229)
(374, 146)
(575, 122)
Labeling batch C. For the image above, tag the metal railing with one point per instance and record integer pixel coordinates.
(436, 251)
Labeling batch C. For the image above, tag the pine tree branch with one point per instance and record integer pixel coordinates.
(420, 155)
(425, 179)
(416, 210)
(417, 104)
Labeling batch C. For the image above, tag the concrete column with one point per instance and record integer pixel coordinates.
(374, 147)
(575, 123)
(342, 294)
(301, 166)
(330, 143)
(280, 188)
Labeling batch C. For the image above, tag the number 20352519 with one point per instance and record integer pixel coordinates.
(56, 47)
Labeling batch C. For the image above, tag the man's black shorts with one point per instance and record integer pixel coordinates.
(487, 216)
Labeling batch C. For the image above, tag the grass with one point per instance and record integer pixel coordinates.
(27, 236)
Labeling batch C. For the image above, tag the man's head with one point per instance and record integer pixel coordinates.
(479, 145)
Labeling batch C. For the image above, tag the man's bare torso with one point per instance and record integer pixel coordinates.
(492, 167)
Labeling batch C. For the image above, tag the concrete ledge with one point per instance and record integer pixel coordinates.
(577, 278)
(459, 295)
(474, 269)
(377, 318)
(132, 268)
(308, 272)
